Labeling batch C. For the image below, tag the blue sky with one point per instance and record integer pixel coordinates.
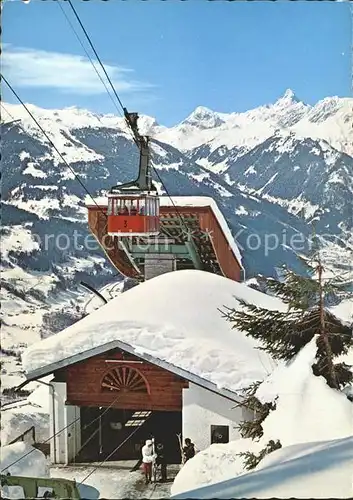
(168, 57)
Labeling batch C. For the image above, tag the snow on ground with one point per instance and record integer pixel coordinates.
(33, 171)
(14, 421)
(34, 464)
(114, 480)
(308, 470)
(344, 310)
(176, 321)
(189, 201)
(307, 410)
(209, 465)
(17, 239)
(58, 130)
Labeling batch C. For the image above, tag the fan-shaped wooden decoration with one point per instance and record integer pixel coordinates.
(124, 379)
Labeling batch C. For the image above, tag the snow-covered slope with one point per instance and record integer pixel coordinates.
(309, 470)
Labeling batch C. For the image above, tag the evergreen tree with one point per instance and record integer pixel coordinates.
(284, 334)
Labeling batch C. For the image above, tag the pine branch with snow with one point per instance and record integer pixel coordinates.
(251, 460)
(252, 428)
(284, 334)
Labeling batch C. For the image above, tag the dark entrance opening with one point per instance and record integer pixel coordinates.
(102, 431)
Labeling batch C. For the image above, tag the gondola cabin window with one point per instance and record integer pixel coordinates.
(133, 215)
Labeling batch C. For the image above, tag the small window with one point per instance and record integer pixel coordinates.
(142, 206)
(44, 492)
(110, 207)
(219, 434)
(116, 207)
(150, 207)
(124, 208)
(139, 414)
(134, 423)
(133, 207)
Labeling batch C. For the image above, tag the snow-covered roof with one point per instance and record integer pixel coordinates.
(186, 201)
(173, 318)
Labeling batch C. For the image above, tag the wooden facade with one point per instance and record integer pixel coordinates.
(209, 240)
(122, 381)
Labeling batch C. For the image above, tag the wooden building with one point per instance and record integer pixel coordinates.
(158, 360)
(109, 401)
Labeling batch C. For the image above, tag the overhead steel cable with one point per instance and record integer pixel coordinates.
(110, 455)
(51, 142)
(95, 53)
(88, 55)
(171, 199)
(126, 115)
(122, 106)
(60, 431)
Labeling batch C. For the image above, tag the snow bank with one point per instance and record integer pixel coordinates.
(323, 413)
(307, 410)
(344, 311)
(188, 201)
(208, 466)
(34, 464)
(310, 470)
(40, 397)
(14, 421)
(173, 317)
(110, 483)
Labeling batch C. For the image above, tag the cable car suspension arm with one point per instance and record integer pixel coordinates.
(144, 179)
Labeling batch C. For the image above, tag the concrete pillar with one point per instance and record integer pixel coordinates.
(156, 264)
(64, 418)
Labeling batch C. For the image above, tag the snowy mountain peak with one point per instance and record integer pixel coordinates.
(148, 125)
(203, 118)
(288, 98)
(203, 112)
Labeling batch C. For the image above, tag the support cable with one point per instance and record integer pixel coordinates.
(51, 142)
(60, 431)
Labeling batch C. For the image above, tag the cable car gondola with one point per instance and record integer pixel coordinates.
(133, 207)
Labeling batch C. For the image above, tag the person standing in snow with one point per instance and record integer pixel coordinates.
(188, 450)
(161, 460)
(148, 457)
